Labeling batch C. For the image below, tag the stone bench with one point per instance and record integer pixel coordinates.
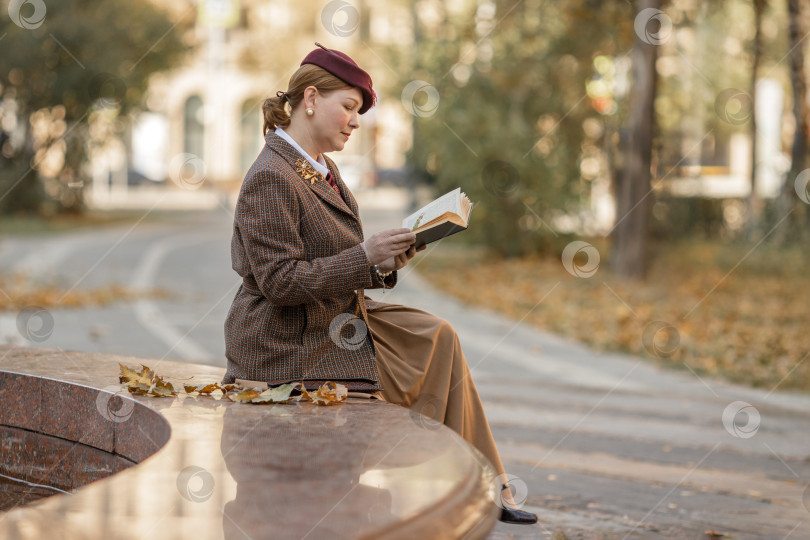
(142, 467)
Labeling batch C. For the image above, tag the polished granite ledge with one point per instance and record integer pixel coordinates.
(54, 462)
(202, 468)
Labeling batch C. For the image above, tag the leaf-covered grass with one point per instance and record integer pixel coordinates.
(18, 292)
(724, 310)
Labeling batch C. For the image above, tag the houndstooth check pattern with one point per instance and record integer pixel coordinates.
(296, 246)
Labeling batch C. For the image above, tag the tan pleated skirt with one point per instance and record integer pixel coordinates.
(422, 367)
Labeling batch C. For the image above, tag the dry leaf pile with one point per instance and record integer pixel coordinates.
(146, 382)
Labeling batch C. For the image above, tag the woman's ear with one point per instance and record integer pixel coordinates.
(310, 93)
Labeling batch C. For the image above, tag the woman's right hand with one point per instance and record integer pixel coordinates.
(383, 245)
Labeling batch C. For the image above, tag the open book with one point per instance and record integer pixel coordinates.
(447, 215)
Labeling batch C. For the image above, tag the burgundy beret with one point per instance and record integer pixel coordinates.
(344, 68)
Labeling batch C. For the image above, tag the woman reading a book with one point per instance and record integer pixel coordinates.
(300, 313)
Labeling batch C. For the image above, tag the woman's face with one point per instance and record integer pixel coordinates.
(336, 117)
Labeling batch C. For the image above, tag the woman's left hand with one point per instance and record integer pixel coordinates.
(399, 261)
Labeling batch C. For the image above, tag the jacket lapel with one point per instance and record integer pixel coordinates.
(344, 191)
(320, 186)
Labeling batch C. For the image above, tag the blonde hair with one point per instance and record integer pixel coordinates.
(274, 109)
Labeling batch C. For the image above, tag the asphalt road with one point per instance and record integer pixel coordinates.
(600, 445)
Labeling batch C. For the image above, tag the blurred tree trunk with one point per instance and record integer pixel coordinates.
(633, 188)
(754, 203)
(798, 82)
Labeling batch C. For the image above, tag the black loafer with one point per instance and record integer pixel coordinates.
(513, 515)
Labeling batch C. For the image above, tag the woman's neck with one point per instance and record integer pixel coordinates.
(301, 136)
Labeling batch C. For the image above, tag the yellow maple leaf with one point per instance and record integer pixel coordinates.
(145, 382)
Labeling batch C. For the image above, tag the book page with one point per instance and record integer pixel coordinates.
(449, 202)
(466, 208)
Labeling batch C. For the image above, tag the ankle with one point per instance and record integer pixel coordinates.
(507, 498)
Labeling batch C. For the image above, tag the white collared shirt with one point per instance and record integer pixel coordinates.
(319, 165)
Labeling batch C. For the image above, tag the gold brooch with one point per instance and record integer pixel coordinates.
(305, 169)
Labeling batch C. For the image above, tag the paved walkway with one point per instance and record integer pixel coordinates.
(602, 446)
(610, 446)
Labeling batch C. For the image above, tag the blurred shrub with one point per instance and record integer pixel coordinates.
(20, 190)
(499, 108)
(677, 217)
(61, 63)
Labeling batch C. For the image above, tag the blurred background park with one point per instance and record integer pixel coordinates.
(639, 169)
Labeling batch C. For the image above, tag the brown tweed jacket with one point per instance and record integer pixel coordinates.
(300, 312)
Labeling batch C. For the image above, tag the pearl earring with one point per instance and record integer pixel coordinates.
(310, 112)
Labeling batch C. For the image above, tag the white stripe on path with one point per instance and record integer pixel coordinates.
(149, 314)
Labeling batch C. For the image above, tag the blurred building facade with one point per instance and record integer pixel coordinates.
(203, 120)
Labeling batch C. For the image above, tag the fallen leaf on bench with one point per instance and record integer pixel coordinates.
(129, 375)
(145, 382)
(278, 394)
(245, 396)
(207, 389)
(328, 394)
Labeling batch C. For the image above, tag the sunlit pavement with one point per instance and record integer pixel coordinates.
(600, 446)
